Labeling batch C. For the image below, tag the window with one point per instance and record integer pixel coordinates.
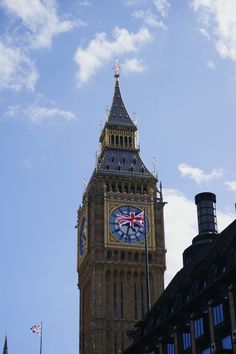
(122, 256)
(135, 302)
(218, 314)
(186, 340)
(108, 255)
(170, 348)
(121, 301)
(206, 351)
(198, 327)
(226, 342)
(115, 305)
(142, 300)
(136, 257)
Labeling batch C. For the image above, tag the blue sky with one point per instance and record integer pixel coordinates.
(178, 80)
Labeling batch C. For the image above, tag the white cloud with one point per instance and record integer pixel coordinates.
(17, 71)
(198, 175)
(211, 65)
(37, 113)
(231, 185)
(149, 18)
(133, 65)
(162, 7)
(100, 50)
(40, 18)
(218, 17)
(181, 227)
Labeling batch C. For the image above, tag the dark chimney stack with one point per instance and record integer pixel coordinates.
(207, 224)
(206, 212)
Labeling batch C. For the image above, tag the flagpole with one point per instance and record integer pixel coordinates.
(41, 339)
(147, 265)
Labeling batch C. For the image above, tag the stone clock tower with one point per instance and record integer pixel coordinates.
(111, 257)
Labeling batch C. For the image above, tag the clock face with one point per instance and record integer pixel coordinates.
(127, 224)
(83, 236)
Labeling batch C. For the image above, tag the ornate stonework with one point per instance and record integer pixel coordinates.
(112, 269)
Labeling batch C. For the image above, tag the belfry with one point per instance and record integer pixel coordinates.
(111, 233)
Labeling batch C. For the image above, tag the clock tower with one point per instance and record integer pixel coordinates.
(111, 234)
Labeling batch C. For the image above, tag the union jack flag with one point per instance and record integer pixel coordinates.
(36, 329)
(132, 219)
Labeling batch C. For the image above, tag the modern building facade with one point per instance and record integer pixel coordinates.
(197, 311)
(121, 200)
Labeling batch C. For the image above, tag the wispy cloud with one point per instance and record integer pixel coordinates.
(211, 65)
(149, 18)
(84, 3)
(27, 163)
(180, 231)
(219, 23)
(198, 175)
(134, 2)
(17, 70)
(134, 65)
(231, 185)
(101, 50)
(40, 19)
(34, 24)
(38, 113)
(162, 7)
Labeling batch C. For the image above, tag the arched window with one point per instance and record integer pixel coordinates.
(121, 301)
(115, 300)
(112, 139)
(117, 140)
(108, 255)
(130, 141)
(126, 141)
(135, 302)
(136, 257)
(121, 140)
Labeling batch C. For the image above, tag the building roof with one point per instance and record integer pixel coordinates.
(184, 292)
(118, 115)
(122, 162)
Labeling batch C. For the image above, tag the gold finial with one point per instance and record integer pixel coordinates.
(117, 68)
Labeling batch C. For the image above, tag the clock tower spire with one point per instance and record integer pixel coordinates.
(111, 253)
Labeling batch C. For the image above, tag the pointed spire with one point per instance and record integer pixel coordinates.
(5, 348)
(118, 114)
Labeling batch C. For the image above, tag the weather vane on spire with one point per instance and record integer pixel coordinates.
(117, 69)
